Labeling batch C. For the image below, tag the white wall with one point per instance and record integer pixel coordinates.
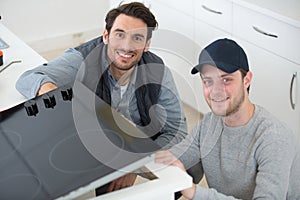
(58, 21)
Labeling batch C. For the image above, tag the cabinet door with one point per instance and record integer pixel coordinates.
(184, 7)
(174, 16)
(215, 12)
(275, 84)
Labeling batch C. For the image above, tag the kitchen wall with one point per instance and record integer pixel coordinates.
(50, 24)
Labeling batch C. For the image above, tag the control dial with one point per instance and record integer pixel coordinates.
(49, 101)
(31, 108)
(67, 94)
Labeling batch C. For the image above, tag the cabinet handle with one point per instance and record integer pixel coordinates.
(211, 10)
(293, 105)
(264, 33)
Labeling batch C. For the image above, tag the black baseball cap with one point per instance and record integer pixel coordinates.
(224, 54)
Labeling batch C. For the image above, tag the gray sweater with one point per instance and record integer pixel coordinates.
(260, 160)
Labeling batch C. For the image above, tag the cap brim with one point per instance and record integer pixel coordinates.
(196, 69)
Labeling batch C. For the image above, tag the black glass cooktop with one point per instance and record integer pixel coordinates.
(65, 140)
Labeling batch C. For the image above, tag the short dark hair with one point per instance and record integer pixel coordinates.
(136, 10)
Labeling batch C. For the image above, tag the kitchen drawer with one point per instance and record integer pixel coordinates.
(184, 7)
(215, 12)
(266, 32)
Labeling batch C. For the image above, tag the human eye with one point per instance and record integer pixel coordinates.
(207, 82)
(138, 38)
(120, 35)
(226, 80)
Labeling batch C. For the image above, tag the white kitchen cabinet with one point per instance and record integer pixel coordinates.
(273, 50)
(174, 15)
(268, 33)
(217, 13)
(275, 84)
(209, 25)
(183, 7)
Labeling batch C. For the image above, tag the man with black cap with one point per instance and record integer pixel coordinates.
(245, 152)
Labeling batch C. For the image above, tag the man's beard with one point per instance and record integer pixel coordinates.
(231, 108)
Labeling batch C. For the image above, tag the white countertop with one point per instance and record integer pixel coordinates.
(17, 50)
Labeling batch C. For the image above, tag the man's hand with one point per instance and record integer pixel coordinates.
(122, 182)
(46, 87)
(167, 158)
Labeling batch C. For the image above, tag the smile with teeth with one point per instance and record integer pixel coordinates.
(125, 55)
(219, 100)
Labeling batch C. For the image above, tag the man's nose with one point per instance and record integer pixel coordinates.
(218, 87)
(127, 44)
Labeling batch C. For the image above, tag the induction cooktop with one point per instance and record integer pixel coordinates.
(66, 140)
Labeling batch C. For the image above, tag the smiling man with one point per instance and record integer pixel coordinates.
(119, 68)
(244, 151)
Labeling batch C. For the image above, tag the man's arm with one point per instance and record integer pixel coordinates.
(59, 71)
(170, 113)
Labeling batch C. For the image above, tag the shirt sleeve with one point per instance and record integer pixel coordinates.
(170, 113)
(275, 157)
(188, 150)
(60, 71)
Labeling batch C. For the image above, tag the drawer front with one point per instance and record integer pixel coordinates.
(215, 12)
(184, 7)
(266, 32)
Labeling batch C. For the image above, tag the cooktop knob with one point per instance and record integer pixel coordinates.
(31, 108)
(49, 101)
(67, 94)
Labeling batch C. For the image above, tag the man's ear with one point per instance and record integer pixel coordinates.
(105, 36)
(247, 79)
(147, 45)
